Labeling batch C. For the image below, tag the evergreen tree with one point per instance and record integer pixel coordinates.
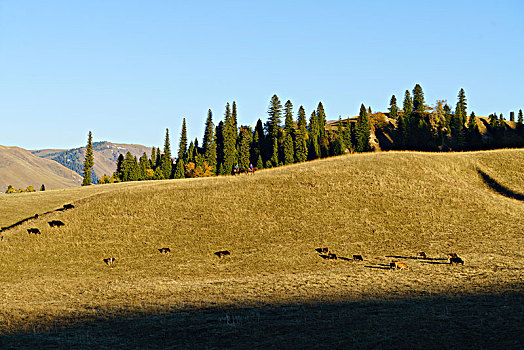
(209, 143)
(182, 152)
(166, 163)
(229, 132)
(346, 132)
(143, 166)
(153, 158)
(339, 144)
(119, 173)
(300, 138)
(219, 137)
(363, 131)
(289, 134)
(88, 161)
(393, 108)
(234, 122)
(472, 122)
(322, 138)
(275, 113)
(314, 135)
(402, 132)
(191, 152)
(418, 99)
(130, 168)
(511, 116)
(244, 143)
(407, 106)
(462, 104)
(42, 188)
(520, 120)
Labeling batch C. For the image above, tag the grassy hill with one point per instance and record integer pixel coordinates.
(20, 168)
(274, 289)
(105, 153)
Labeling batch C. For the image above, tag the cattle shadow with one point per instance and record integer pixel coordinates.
(436, 262)
(414, 258)
(498, 187)
(379, 266)
(465, 321)
(18, 223)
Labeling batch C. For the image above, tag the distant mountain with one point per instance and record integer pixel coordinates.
(21, 168)
(105, 153)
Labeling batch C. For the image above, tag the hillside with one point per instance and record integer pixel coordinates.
(275, 290)
(105, 153)
(20, 168)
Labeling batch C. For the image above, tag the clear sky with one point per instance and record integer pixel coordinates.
(128, 69)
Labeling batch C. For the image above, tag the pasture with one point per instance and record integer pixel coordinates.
(274, 289)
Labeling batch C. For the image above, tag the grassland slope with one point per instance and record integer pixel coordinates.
(378, 205)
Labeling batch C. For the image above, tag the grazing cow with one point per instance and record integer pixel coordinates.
(56, 223)
(322, 250)
(222, 253)
(164, 250)
(33, 230)
(358, 257)
(109, 261)
(319, 250)
(398, 265)
(454, 259)
(421, 255)
(68, 206)
(332, 256)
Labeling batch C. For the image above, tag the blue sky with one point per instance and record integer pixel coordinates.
(129, 69)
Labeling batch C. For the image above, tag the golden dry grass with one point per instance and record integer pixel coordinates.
(377, 205)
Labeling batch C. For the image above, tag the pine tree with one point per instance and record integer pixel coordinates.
(462, 104)
(143, 166)
(190, 156)
(393, 108)
(219, 138)
(182, 152)
(346, 132)
(520, 120)
(289, 134)
(300, 138)
(322, 138)
(339, 145)
(275, 113)
(234, 122)
(88, 161)
(418, 99)
(511, 116)
(314, 135)
(228, 132)
(472, 122)
(363, 131)
(244, 143)
(209, 143)
(166, 163)
(153, 158)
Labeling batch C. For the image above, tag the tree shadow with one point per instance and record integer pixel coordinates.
(498, 187)
(18, 223)
(493, 320)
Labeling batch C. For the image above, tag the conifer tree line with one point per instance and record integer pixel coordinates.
(288, 137)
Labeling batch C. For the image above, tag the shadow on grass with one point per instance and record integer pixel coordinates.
(436, 262)
(64, 208)
(498, 187)
(415, 258)
(378, 266)
(470, 321)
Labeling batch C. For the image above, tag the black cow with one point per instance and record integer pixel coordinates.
(164, 250)
(55, 223)
(358, 257)
(68, 206)
(33, 230)
(109, 261)
(222, 253)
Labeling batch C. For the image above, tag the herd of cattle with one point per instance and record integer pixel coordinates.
(323, 252)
